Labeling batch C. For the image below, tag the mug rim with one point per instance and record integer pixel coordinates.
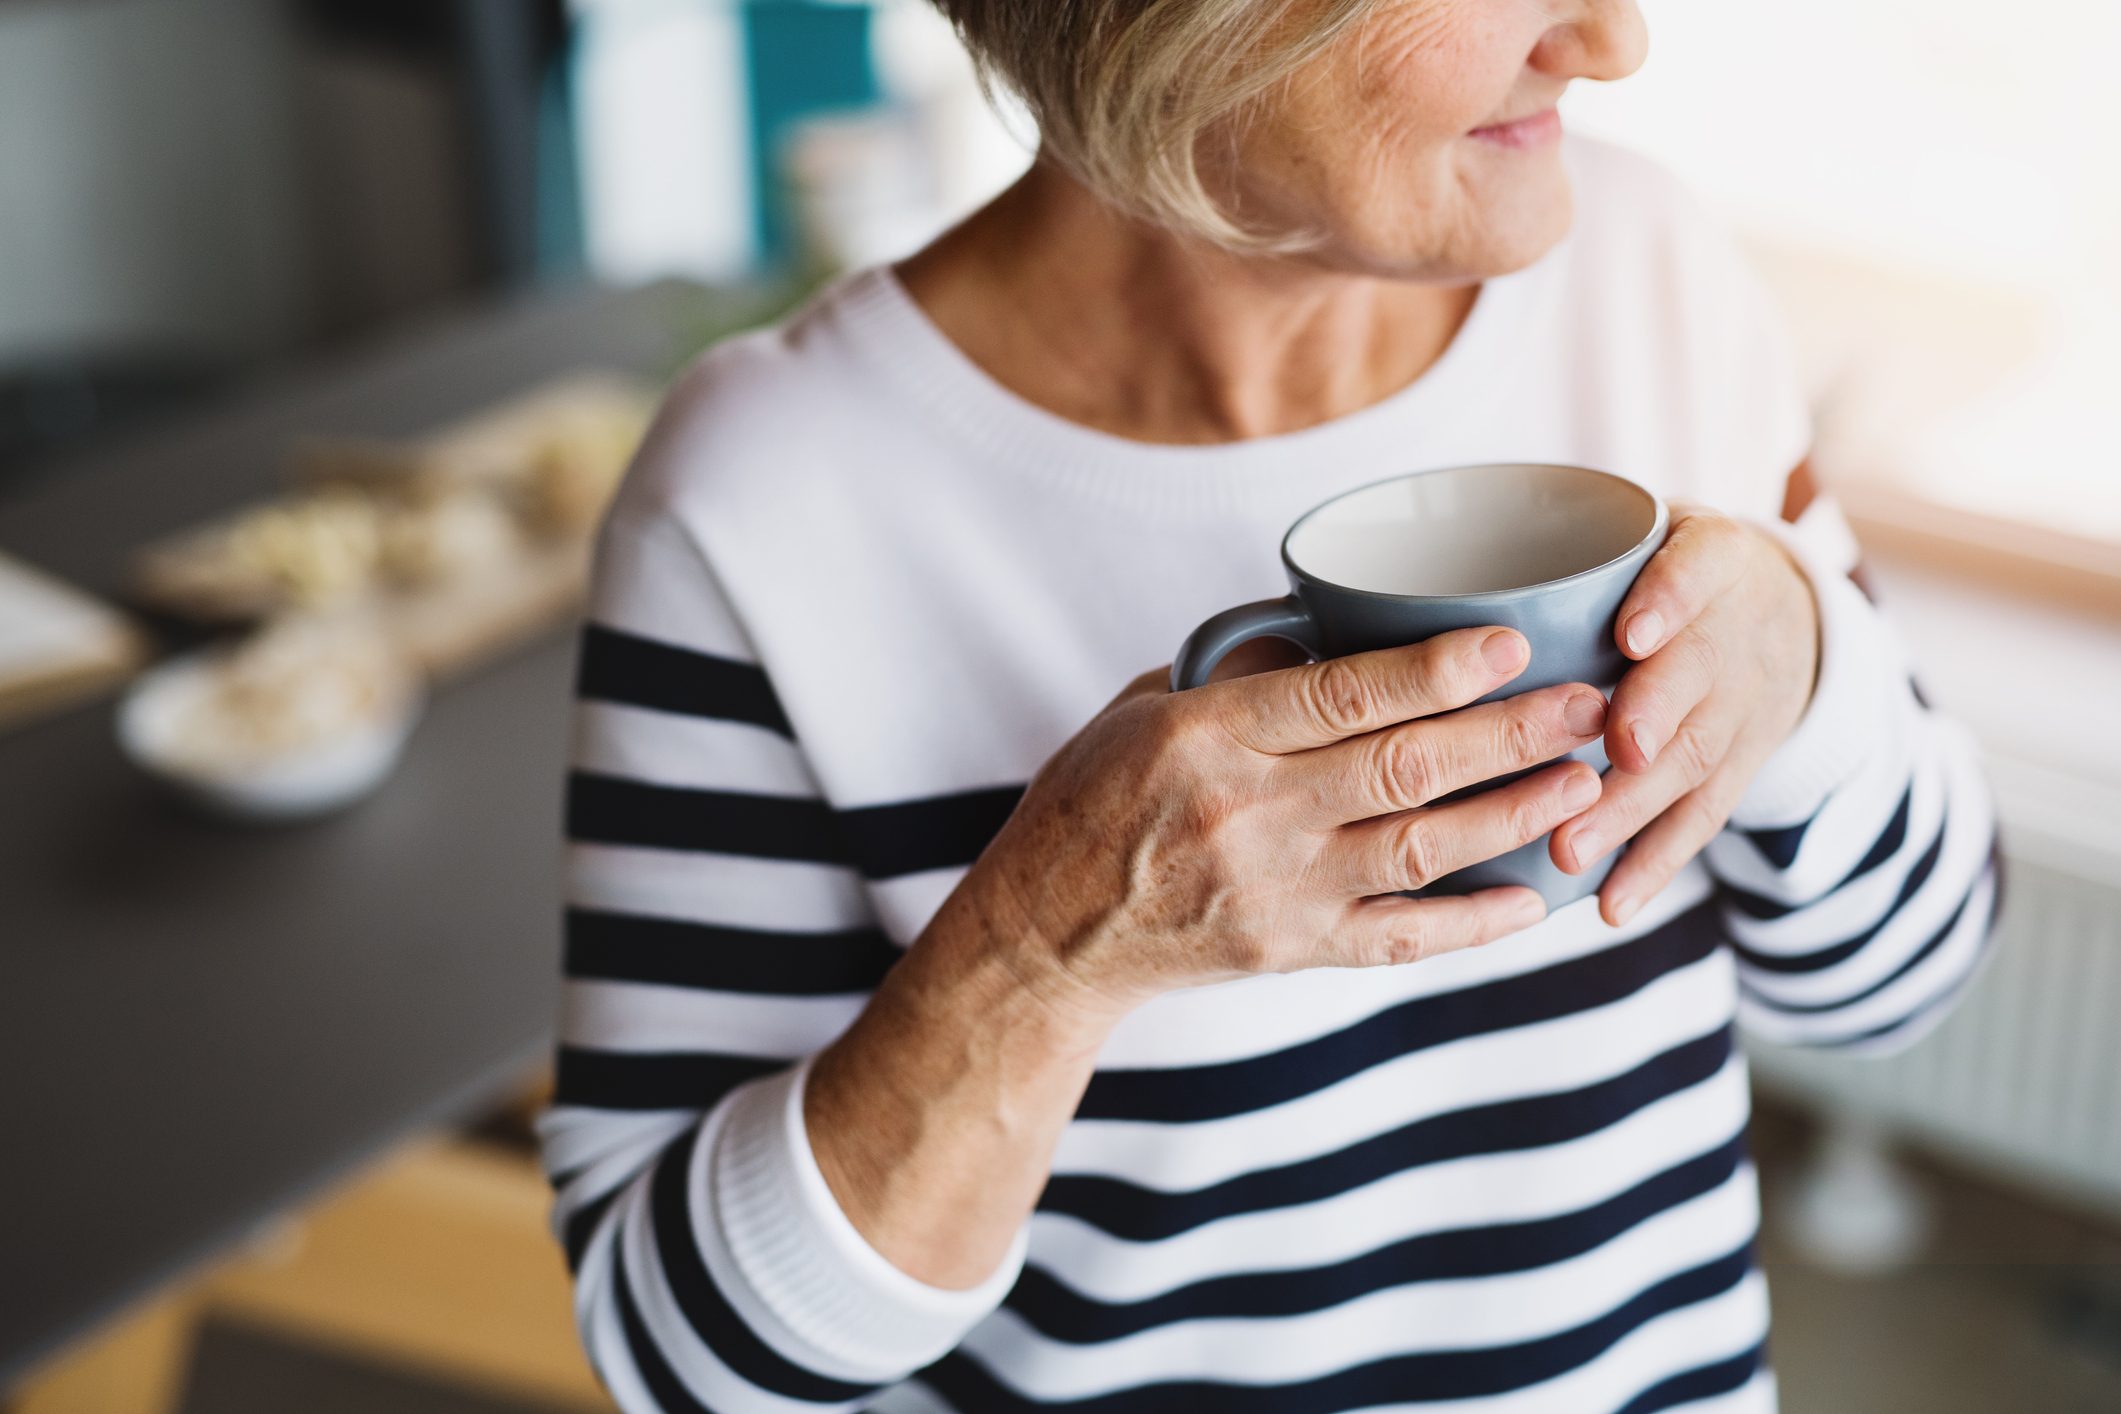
(1658, 521)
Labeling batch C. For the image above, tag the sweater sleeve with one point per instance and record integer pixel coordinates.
(717, 936)
(1858, 878)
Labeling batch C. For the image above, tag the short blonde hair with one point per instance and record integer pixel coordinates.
(1125, 91)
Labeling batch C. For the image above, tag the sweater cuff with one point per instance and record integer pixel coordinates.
(848, 1309)
(1845, 722)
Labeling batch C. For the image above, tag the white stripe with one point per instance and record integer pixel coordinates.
(1457, 1314)
(570, 1136)
(1847, 825)
(911, 1397)
(699, 753)
(1259, 1015)
(1544, 1057)
(1262, 1015)
(1720, 1328)
(597, 1317)
(1967, 834)
(907, 902)
(1850, 910)
(1938, 973)
(644, 1016)
(1933, 1013)
(652, 582)
(690, 1358)
(1755, 1396)
(1481, 1188)
(732, 890)
(628, 1150)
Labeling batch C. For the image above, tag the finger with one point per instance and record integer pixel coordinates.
(1667, 843)
(1409, 765)
(1704, 555)
(1654, 697)
(1415, 848)
(1316, 704)
(1381, 932)
(1628, 802)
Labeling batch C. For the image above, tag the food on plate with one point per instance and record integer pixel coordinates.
(579, 462)
(449, 533)
(297, 684)
(306, 552)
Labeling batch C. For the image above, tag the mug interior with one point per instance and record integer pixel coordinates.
(1472, 529)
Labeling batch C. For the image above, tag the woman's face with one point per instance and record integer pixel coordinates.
(1377, 144)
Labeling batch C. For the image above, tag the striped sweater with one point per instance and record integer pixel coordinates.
(853, 593)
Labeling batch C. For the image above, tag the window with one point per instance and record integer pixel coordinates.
(1932, 187)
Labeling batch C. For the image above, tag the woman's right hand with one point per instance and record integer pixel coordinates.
(1264, 823)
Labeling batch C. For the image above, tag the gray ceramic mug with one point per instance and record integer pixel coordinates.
(1547, 550)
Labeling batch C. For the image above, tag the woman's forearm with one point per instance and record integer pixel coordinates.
(934, 1117)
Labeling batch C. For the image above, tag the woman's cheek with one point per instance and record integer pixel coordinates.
(1428, 72)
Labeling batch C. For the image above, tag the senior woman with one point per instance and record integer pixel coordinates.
(946, 1032)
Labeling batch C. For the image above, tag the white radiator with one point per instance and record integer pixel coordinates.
(2024, 1078)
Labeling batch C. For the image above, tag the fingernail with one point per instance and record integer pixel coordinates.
(1529, 910)
(1623, 907)
(1584, 848)
(1584, 714)
(1641, 737)
(1504, 651)
(1579, 790)
(1644, 630)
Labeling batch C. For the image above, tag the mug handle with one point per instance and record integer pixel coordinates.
(1207, 645)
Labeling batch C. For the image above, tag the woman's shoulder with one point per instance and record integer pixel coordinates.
(768, 408)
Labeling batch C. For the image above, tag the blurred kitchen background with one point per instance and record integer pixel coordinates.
(309, 307)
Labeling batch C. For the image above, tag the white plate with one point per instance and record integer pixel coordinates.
(309, 781)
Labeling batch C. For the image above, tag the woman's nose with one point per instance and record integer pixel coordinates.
(1593, 39)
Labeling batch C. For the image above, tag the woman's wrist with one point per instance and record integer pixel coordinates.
(1847, 715)
(1801, 598)
(988, 926)
(933, 1118)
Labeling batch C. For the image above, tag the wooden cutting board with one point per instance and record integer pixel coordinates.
(58, 645)
(455, 623)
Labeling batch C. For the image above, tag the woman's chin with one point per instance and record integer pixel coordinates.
(1520, 223)
(1517, 215)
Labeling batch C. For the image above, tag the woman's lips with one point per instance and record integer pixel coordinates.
(1538, 130)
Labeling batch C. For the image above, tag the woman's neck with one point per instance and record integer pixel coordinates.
(1156, 337)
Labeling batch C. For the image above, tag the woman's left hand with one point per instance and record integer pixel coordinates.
(1726, 634)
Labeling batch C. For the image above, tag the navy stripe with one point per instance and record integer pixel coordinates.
(1432, 1375)
(664, 1386)
(1703, 1382)
(611, 810)
(1140, 1214)
(1999, 869)
(1943, 1001)
(652, 1080)
(1256, 1082)
(582, 1225)
(1779, 846)
(1821, 959)
(702, 1304)
(615, 666)
(1883, 848)
(883, 841)
(934, 832)
(1934, 941)
(622, 947)
(1058, 1311)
